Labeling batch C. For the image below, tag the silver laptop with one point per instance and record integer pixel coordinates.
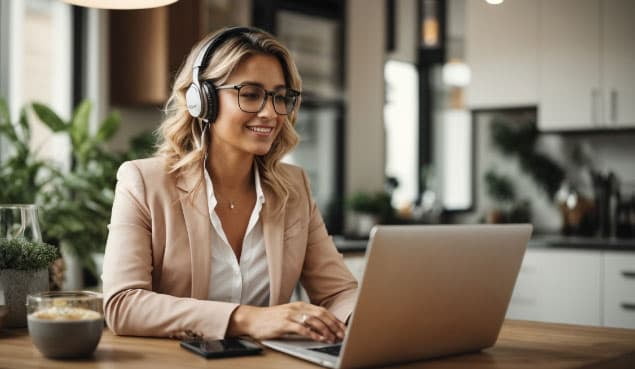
(427, 291)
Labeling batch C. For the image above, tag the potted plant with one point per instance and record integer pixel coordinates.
(74, 204)
(23, 270)
(368, 209)
(22, 173)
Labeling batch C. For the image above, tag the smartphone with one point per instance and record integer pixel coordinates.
(220, 348)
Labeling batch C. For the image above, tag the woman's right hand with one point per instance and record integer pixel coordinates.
(300, 318)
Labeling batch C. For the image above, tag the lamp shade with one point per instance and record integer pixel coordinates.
(120, 4)
(456, 73)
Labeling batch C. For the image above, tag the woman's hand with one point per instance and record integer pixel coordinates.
(307, 320)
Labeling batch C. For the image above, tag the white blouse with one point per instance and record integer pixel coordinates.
(246, 282)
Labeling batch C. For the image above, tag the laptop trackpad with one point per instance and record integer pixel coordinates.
(333, 350)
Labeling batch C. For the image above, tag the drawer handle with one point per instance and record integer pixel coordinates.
(628, 306)
(628, 274)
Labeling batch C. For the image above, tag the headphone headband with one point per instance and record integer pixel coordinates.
(204, 55)
(201, 97)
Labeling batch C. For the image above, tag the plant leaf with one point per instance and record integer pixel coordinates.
(24, 123)
(4, 113)
(48, 117)
(79, 123)
(5, 123)
(108, 127)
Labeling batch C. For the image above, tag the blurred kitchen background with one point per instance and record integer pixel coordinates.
(414, 112)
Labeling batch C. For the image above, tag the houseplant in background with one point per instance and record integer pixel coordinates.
(74, 205)
(22, 174)
(367, 209)
(23, 270)
(77, 204)
(520, 139)
(508, 208)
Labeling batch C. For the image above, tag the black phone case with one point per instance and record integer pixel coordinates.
(251, 349)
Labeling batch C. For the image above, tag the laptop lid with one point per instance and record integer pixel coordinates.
(430, 291)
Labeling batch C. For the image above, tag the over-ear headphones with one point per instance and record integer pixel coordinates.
(201, 98)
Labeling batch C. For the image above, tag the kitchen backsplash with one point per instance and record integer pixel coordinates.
(603, 152)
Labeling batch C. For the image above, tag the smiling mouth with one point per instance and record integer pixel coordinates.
(261, 130)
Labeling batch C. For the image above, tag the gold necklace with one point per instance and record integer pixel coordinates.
(232, 203)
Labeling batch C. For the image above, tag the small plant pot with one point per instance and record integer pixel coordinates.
(360, 224)
(17, 284)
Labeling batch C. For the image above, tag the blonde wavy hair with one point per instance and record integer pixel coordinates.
(179, 133)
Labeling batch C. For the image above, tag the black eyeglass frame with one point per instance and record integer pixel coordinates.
(273, 94)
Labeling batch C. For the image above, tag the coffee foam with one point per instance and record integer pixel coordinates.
(66, 313)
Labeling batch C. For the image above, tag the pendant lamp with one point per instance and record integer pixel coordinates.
(120, 4)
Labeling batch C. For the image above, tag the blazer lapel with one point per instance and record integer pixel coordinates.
(197, 222)
(273, 230)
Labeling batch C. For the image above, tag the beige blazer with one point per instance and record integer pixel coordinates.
(157, 263)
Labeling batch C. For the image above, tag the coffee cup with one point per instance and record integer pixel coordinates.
(65, 324)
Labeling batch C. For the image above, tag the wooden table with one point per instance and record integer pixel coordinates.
(520, 345)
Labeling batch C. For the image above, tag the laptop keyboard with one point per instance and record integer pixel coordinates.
(330, 350)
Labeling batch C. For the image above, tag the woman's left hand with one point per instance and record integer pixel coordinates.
(301, 318)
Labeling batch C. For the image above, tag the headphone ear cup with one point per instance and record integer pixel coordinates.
(193, 100)
(210, 100)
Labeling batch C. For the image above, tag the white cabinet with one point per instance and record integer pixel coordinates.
(569, 81)
(619, 289)
(586, 64)
(618, 49)
(556, 285)
(501, 50)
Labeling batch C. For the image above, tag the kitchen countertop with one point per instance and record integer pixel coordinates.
(578, 242)
(346, 245)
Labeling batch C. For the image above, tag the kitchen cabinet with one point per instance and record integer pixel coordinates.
(618, 40)
(502, 52)
(148, 46)
(586, 64)
(592, 287)
(619, 289)
(556, 285)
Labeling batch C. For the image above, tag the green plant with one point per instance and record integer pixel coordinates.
(499, 187)
(21, 254)
(520, 139)
(377, 203)
(77, 204)
(22, 175)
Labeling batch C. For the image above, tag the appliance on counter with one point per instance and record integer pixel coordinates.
(615, 207)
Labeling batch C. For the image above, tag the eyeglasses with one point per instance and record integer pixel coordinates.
(252, 98)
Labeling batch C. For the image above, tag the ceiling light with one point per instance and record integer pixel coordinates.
(121, 4)
(494, 2)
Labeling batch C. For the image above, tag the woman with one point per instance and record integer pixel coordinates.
(211, 235)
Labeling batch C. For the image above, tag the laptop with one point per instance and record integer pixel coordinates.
(426, 292)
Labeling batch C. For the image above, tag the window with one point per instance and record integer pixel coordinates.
(401, 120)
(36, 63)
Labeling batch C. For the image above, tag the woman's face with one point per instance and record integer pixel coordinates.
(252, 133)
